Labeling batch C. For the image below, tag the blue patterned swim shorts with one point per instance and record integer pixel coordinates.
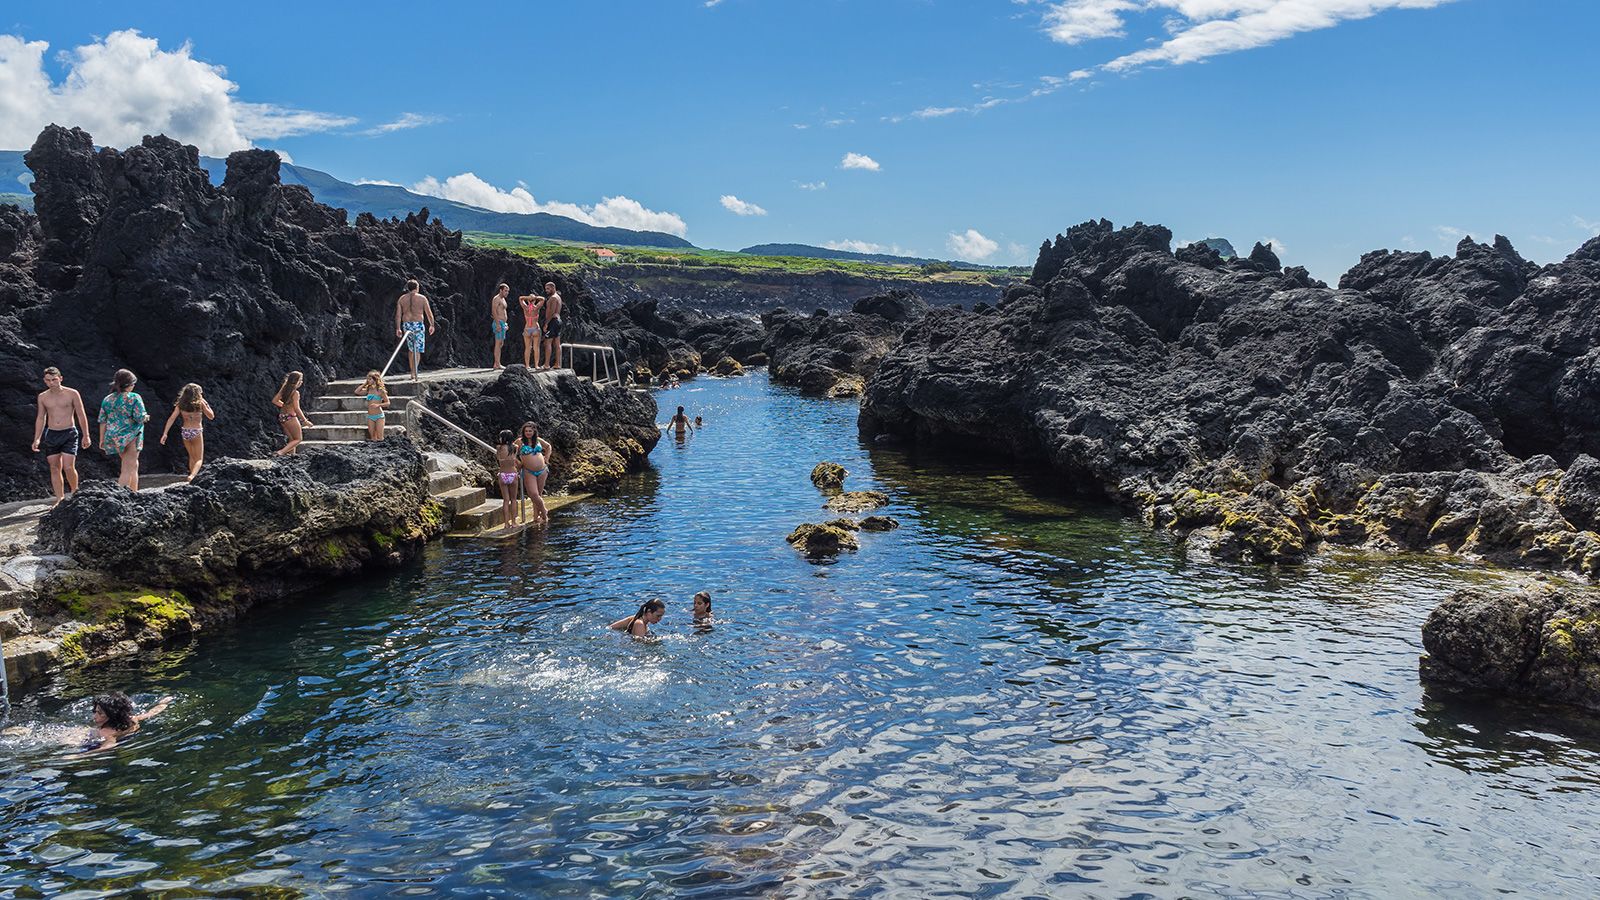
(501, 329)
(416, 335)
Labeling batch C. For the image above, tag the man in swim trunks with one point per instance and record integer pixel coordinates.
(60, 429)
(413, 318)
(552, 326)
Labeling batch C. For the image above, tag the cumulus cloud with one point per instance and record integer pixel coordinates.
(125, 86)
(972, 245)
(405, 122)
(859, 161)
(610, 212)
(740, 207)
(379, 181)
(860, 247)
(1201, 29)
(813, 186)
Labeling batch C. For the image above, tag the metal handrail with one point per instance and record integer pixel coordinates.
(392, 357)
(5, 684)
(604, 357)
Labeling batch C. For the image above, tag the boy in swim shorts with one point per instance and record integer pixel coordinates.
(59, 430)
(413, 318)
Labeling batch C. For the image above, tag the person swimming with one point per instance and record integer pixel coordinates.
(639, 623)
(702, 610)
(114, 719)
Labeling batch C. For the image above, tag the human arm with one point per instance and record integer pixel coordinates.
(156, 710)
(427, 310)
(206, 408)
(397, 331)
(38, 425)
(386, 400)
(80, 416)
(167, 428)
(299, 412)
(101, 418)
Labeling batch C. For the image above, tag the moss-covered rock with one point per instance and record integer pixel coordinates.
(727, 367)
(1541, 642)
(879, 523)
(821, 540)
(856, 501)
(828, 476)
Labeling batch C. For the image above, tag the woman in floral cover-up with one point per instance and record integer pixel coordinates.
(122, 418)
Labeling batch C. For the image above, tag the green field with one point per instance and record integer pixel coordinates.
(568, 256)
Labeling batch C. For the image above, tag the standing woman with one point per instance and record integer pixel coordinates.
(532, 308)
(377, 401)
(287, 400)
(122, 418)
(533, 452)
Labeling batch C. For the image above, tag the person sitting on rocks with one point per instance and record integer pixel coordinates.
(377, 395)
(290, 417)
(552, 326)
(533, 453)
(532, 309)
(413, 319)
(679, 422)
(114, 719)
(122, 418)
(498, 324)
(639, 623)
(60, 429)
(194, 409)
(505, 453)
(702, 609)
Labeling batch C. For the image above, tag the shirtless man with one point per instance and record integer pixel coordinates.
(552, 326)
(413, 318)
(62, 427)
(498, 326)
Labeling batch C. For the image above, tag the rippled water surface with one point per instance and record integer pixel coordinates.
(1012, 695)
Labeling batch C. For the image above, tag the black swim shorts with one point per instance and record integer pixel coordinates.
(59, 440)
(552, 328)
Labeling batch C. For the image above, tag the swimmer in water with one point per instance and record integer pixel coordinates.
(698, 424)
(702, 610)
(679, 422)
(115, 719)
(639, 623)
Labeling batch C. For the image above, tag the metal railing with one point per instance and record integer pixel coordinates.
(392, 357)
(416, 406)
(602, 362)
(5, 684)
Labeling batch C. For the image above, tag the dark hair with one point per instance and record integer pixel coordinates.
(298, 378)
(506, 437)
(680, 410)
(52, 370)
(412, 285)
(705, 595)
(122, 381)
(522, 430)
(648, 606)
(118, 709)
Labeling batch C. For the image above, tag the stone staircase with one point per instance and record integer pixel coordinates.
(339, 415)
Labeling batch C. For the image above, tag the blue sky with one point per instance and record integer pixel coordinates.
(1332, 126)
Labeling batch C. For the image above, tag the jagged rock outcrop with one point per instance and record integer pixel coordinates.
(832, 355)
(1427, 403)
(134, 259)
(1541, 642)
(598, 434)
(828, 476)
(683, 342)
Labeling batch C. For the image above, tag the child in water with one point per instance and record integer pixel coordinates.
(505, 453)
(639, 623)
(377, 401)
(194, 409)
(702, 610)
(115, 719)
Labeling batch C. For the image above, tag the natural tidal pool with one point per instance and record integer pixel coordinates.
(1014, 694)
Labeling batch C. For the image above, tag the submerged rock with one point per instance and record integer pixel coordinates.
(880, 523)
(828, 476)
(822, 540)
(856, 501)
(1542, 643)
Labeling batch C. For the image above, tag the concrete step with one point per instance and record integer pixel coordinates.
(336, 403)
(307, 445)
(486, 515)
(355, 418)
(397, 388)
(443, 462)
(347, 432)
(462, 498)
(443, 482)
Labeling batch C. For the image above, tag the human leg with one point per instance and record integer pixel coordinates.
(197, 453)
(129, 475)
(56, 477)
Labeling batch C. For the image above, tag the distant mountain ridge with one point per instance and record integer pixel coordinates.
(390, 201)
(809, 252)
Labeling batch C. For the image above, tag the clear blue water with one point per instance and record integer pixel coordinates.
(1015, 694)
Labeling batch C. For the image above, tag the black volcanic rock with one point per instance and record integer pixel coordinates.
(831, 355)
(1541, 642)
(134, 259)
(1426, 404)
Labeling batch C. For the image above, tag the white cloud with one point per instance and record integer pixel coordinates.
(125, 86)
(972, 245)
(1201, 29)
(1589, 225)
(405, 122)
(611, 212)
(740, 207)
(859, 161)
(813, 186)
(861, 247)
(284, 157)
(379, 181)
(1276, 245)
(934, 112)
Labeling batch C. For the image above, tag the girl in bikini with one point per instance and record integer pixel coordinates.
(505, 453)
(533, 453)
(377, 400)
(639, 623)
(122, 418)
(532, 306)
(194, 409)
(287, 400)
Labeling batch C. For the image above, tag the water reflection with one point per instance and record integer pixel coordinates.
(1013, 694)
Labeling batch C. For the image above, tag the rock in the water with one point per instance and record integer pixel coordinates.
(828, 476)
(879, 523)
(1541, 643)
(856, 501)
(822, 540)
(844, 523)
(727, 367)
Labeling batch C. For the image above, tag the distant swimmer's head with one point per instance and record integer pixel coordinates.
(652, 611)
(702, 605)
(113, 710)
(680, 410)
(412, 285)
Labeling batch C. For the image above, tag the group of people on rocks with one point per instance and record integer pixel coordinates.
(541, 326)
